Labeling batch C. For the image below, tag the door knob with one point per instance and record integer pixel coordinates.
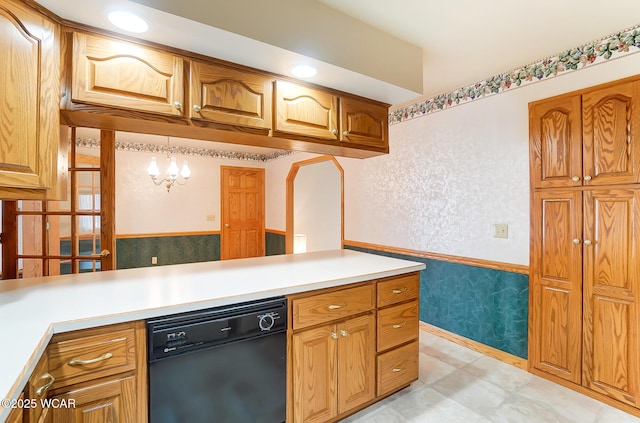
(576, 241)
(587, 242)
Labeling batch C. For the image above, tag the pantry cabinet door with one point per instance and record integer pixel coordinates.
(611, 284)
(611, 125)
(555, 133)
(556, 284)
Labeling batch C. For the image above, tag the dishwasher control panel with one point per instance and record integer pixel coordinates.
(180, 333)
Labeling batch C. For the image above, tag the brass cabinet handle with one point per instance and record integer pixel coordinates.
(334, 335)
(401, 325)
(103, 357)
(344, 332)
(196, 108)
(177, 105)
(396, 369)
(41, 390)
(335, 307)
(105, 253)
(399, 291)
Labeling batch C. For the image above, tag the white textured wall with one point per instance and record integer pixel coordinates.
(276, 189)
(451, 175)
(142, 207)
(317, 204)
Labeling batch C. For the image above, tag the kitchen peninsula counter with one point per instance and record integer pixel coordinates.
(32, 310)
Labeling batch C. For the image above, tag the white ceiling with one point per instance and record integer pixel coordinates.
(466, 41)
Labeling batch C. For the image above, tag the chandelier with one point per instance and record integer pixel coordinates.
(173, 174)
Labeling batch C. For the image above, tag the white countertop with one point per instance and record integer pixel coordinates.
(32, 310)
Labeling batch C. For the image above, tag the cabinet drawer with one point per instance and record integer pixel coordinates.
(332, 305)
(399, 289)
(92, 357)
(397, 324)
(397, 368)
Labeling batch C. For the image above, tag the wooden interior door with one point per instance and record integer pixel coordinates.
(556, 284)
(611, 283)
(242, 204)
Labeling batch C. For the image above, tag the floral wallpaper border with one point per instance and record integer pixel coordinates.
(616, 45)
(185, 151)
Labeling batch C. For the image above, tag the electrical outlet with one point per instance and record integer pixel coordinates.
(154, 260)
(501, 230)
(211, 217)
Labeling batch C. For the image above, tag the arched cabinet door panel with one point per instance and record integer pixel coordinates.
(29, 99)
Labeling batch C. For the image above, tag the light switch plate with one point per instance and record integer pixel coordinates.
(501, 230)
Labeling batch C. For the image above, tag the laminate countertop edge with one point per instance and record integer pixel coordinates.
(33, 310)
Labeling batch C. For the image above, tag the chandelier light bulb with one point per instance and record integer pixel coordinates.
(186, 172)
(153, 169)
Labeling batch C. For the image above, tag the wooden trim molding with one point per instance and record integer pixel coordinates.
(477, 346)
(276, 232)
(166, 234)
(496, 265)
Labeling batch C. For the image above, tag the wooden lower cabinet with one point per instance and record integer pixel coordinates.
(113, 401)
(333, 369)
(94, 375)
(351, 346)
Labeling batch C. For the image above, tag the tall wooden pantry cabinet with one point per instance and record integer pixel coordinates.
(585, 241)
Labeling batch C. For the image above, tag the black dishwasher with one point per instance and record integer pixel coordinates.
(224, 364)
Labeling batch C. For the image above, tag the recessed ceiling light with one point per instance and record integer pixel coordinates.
(303, 71)
(128, 21)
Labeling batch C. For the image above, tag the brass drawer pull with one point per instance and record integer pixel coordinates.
(41, 390)
(103, 357)
(401, 325)
(399, 291)
(396, 370)
(335, 307)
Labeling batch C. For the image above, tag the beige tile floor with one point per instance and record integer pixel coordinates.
(457, 384)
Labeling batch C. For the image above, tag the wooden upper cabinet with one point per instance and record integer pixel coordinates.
(305, 111)
(364, 123)
(230, 97)
(555, 131)
(611, 127)
(114, 73)
(30, 97)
